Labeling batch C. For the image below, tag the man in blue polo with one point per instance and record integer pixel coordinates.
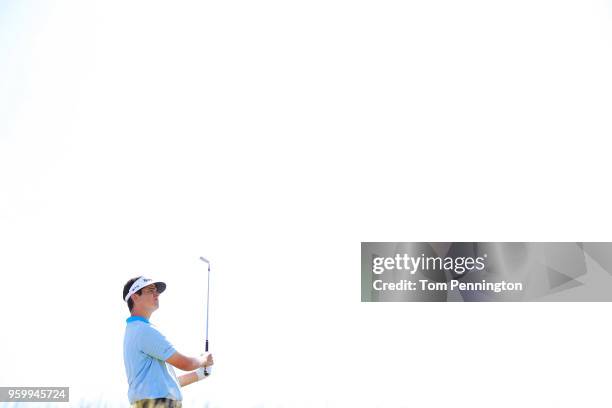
(149, 357)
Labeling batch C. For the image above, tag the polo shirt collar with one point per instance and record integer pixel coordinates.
(136, 319)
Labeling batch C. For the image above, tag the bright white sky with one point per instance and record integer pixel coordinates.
(273, 137)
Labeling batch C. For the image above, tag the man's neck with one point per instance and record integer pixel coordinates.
(141, 313)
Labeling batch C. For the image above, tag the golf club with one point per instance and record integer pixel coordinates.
(207, 369)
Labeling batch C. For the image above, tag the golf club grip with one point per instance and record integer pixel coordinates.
(206, 369)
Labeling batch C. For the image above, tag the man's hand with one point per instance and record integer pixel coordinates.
(207, 360)
(204, 370)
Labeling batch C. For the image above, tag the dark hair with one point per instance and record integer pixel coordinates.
(126, 289)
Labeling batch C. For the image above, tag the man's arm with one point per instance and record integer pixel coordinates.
(190, 363)
(187, 379)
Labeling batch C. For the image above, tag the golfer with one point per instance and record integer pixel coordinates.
(149, 357)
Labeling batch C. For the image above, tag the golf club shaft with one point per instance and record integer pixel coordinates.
(207, 369)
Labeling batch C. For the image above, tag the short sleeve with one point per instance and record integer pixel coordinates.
(156, 345)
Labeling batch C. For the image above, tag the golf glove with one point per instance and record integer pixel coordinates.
(202, 372)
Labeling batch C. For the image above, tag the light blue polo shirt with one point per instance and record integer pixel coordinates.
(145, 351)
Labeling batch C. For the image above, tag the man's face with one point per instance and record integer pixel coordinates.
(149, 300)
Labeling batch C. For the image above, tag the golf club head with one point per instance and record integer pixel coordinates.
(205, 260)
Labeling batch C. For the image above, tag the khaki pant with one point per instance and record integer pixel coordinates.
(157, 403)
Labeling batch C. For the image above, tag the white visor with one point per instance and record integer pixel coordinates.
(141, 283)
